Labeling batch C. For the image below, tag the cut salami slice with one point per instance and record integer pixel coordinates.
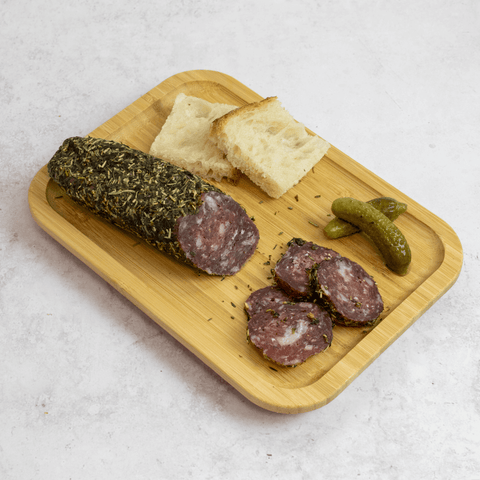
(170, 208)
(347, 291)
(220, 237)
(264, 299)
(292, 270)
(290, 334)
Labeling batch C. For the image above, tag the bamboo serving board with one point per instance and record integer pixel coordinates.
(206, 313)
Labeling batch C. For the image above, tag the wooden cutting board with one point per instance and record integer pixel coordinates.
(206, 313)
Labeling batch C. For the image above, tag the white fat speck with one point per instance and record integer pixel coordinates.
(291, 336)
(343, 297)
(345, 271)
(224, 262)
(308, 347)
(211, 203)
(221, 229)
(199, 242)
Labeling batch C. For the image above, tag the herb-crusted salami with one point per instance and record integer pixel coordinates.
(290, 334)
(169, 207)
(264, 299)
(292, 270)
(347, 291)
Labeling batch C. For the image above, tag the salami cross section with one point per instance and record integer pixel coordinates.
(347, 291)
(292, 270)
(264, 299)
(291, 333)
(167, 206)
(220, 238)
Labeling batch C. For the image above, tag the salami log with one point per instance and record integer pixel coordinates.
(264, 299)
(347, 291)
(291, 333)
(292, 270)
(167, 206)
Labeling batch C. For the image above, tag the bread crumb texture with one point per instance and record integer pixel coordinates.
(184, 139)
(268, 145)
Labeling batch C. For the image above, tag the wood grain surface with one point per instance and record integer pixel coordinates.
(205, 313)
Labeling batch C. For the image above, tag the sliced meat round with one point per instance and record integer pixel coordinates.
(291, 334)
(220, 237)
(348, 292)
(292, 270)
(264, 299)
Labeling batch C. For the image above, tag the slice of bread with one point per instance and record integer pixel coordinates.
(183, 139)
(265, 142)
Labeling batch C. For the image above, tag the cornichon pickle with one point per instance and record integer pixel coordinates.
(383, 232)
(338, 228)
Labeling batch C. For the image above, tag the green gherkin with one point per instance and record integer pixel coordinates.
(391, 208)
(389, 240)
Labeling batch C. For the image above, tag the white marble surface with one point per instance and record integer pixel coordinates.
(91, 388)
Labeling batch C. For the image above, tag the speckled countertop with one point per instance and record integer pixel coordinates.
(90, 387)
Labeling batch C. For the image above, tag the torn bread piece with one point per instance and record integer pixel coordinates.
(268, 145)
(183, 139)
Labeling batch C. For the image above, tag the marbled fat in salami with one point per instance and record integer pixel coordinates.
(348, 292)
(292, 270)
(264, 299)
(220, 237)
(290, 334)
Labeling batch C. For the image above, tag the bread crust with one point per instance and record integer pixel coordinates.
(218, 126)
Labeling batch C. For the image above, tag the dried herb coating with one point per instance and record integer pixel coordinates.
(141, 194)
(292, 270)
